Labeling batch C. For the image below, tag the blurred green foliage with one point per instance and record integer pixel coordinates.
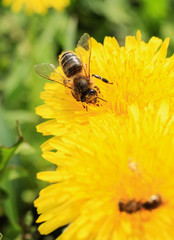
(28, 40)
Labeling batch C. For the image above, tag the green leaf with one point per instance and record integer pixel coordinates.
(12, 205)
(3, 195)
(156, 10)
(6, 153)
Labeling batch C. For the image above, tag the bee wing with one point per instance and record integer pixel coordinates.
(84, 51)
(50, 72)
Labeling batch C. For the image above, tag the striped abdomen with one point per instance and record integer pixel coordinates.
(70, 64)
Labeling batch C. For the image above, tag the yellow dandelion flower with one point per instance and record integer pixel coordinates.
(140, 73)
(114, 180)
(38, 6)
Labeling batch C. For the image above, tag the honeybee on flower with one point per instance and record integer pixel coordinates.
(78, 76)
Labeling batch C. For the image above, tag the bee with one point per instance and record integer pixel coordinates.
(77, 74)
(153, 202)
(133, 206)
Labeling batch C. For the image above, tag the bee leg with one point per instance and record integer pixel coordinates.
(85, 106)
(103, 79)
(97, 88)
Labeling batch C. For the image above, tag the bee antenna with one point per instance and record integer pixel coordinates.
(102, 99)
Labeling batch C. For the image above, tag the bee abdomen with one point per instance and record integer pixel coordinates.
(70, 64)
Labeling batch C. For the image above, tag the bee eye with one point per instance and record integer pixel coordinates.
(92, 92)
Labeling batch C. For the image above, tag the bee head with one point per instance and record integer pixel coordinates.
(90, 96)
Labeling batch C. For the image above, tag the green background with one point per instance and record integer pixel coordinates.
(26, 40)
